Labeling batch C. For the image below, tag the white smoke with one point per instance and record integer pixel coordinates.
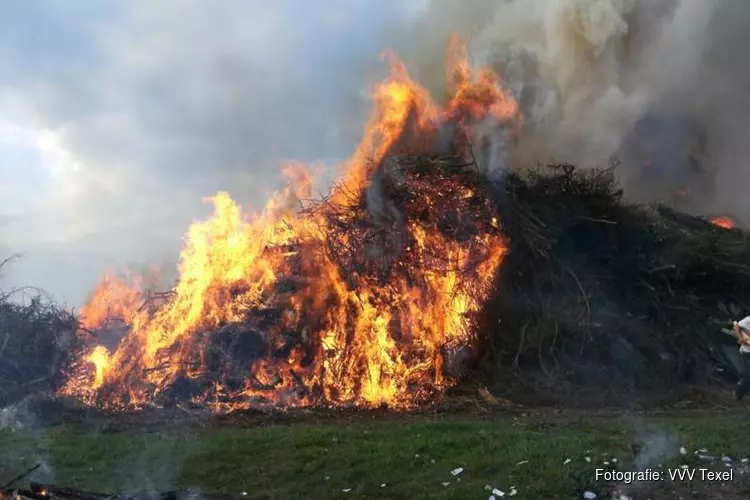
(587, 71)
(583, 91)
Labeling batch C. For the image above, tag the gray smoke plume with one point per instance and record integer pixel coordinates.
(586, 72)
(657, 445)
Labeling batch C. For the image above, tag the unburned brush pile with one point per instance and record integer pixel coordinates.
(37, 339)
(619, 299)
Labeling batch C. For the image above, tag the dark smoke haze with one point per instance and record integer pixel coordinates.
(117, 118)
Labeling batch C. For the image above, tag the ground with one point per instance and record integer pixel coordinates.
(539, 454)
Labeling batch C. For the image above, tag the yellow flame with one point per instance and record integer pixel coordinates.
(375, 343)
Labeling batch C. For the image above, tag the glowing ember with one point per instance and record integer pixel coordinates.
(724, 222)
(359, 299)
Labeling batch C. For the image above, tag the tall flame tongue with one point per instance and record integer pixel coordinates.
(358, 299)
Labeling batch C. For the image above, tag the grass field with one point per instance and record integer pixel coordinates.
(399, 457)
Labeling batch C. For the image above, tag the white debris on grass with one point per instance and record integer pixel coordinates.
(513, 491)
(346, 490)
(383, 485)
(684, 466)
(244, 493)
(745, 460)
(567, 461)
(446, 483)
(614, 460)
(522, 462)
(326, 478)
(498, 493)
(457, 471)
(589, 495)
(587, 459)
(683, 451)
(726, 459)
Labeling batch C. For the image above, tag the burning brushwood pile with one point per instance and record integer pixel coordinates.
(592, 294)
(426, 256)
(368, 297)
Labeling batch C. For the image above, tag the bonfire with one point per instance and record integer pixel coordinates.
(368, 297)
(426, 255)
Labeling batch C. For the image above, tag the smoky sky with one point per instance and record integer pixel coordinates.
(117, 118)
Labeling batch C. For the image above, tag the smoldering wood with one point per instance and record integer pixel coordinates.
(39, 491)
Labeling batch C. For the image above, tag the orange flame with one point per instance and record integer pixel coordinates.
(113, 297)
(724, 222)
(360, 336)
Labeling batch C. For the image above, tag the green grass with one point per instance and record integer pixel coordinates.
(411, 456)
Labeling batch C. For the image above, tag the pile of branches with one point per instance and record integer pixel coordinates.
(37, 338)
(594, 294)
(603, 295)
(370, 236)
(370, 233)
